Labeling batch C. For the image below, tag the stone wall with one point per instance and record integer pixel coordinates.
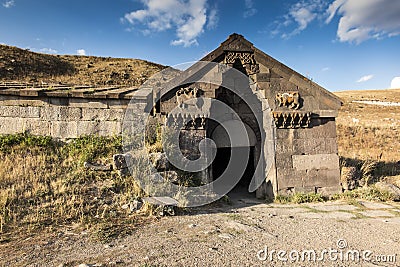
(62, 117)
(307, 159)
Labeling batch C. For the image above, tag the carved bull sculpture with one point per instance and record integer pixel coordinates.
(289, 99)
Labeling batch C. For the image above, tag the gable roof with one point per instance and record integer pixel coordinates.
(237, 42)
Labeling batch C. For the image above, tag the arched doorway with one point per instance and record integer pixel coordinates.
(225, 149)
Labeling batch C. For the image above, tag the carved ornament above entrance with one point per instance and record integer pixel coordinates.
(246, 59)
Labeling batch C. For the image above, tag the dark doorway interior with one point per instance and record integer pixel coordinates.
(221, 162)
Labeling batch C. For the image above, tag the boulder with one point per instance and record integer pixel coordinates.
(391, 188)
(159, 160)
(350, 177)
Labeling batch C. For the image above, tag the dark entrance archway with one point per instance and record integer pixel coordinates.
(224, 152)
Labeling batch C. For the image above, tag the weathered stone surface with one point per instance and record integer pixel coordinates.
(377, 213)
(87, 103)
(36, 126)
(61, 113)
(350, 177)
(29, 112)
(64, 130)
(375, 205)
(10, 100)
(329, 191)
(10, 125)
(103, 128)
(122, 161)
(290, 178)
(159, 160)
(9, 111)
(322, 178)
(91, 114)
(321, 161)
(391, 188)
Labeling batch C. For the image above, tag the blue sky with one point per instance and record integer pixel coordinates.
(340, 44)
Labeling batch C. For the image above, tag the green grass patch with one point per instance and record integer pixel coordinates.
(299, 198)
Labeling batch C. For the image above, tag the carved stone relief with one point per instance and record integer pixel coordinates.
(289, 99)
(246, 58)
(292, 120)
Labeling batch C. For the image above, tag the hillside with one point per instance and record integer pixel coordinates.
(369, 124)
(25, 66)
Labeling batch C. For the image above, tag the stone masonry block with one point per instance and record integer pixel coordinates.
(11, 100)
(29, 112)
(37, 126)
(64, 129)
(289, 178)
(102, 128)
(62, 113)
(90, 114)
(87, 103)
(9, 111)
(118, 103)
(11, 125)
(322, 178)
(319, 161)
(284, 161)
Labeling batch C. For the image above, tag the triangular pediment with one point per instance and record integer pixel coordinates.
(273, 70)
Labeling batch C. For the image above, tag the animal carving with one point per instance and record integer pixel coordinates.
(289, 99)
(184, 94)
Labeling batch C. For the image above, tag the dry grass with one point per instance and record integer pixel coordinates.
(46, 185)
(369, 132)
(369, 135)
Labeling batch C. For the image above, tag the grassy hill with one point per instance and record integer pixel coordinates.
(25, 66)
(369, 131)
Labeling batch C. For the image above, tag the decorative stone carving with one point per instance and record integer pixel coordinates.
(288, 99)
(186, 93)
(292, 120)
(246, 58)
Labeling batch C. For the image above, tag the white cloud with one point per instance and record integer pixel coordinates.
(187, 17)
(365, 78)
(366, 19)
(325, 69)
(48, 51)
(250, 10)
(300, 15)
(9, 4)
(213, 18)
(81, 52)
(395, 83)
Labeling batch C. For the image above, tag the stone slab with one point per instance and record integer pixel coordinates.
(319, 161)
(375, 205)
(377, 213)
(166, 201)
(334, 207)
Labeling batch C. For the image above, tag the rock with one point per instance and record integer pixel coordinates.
(97, 167)
(122, 162)
(159, 160)
(192, 225)
(350, 177)
(135, 205)
(226, 236)
(391, 188)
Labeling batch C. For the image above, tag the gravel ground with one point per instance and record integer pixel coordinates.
(244, 233)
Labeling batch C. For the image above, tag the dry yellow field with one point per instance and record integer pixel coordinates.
(370, 131)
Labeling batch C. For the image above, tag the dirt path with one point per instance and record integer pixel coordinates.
(245, 233)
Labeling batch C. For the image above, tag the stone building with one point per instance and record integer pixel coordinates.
(289, 120)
